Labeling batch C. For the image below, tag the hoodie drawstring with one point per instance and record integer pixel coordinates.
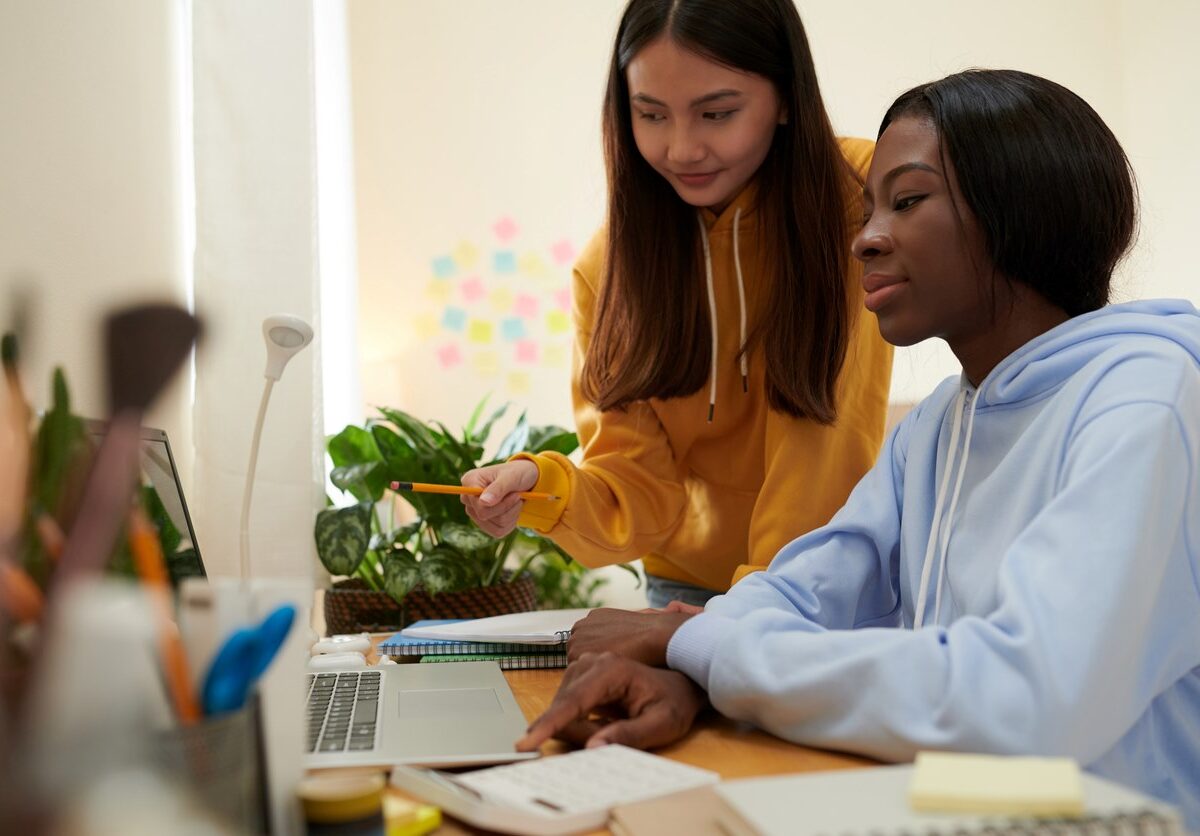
(712, 310)
(938, 536)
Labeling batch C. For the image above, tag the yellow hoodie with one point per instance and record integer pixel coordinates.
(707, 503)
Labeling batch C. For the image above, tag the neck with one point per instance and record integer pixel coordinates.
(1020, 317)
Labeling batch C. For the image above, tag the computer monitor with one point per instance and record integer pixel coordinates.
(159, 471)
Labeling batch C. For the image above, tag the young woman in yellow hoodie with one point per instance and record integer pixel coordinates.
(727, 394)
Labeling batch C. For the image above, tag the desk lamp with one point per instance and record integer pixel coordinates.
(285, 335)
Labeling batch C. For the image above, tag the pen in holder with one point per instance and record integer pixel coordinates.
(220, 761)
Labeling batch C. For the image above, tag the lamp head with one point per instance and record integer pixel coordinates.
(285, 335)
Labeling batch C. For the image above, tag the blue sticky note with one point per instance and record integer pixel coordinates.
(444, 267)
(513, 328)
(454, 319)
(504, 261)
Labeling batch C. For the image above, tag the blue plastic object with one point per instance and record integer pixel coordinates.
(242, 659)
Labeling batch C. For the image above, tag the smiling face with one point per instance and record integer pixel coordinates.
(926, 272)
(705, 127)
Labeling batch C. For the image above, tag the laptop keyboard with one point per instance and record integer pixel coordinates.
(342, 711)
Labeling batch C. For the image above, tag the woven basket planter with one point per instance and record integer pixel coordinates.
(351, 607)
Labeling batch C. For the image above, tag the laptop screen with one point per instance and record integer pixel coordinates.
(160, 473)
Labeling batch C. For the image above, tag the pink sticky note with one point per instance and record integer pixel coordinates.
(526, 306)
(563, 252)
(562, 298)
(472, 289)
(449, 356)
(505, 228)
(527, 351)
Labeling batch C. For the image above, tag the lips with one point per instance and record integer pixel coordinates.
(881, 288)
(697, 179)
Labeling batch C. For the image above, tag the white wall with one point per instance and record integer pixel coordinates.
(472, 111)
(90, 174)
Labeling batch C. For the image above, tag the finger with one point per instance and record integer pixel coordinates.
(593, 685)
(680, 606)
(501, 508)
(656, 726)
(579, 732)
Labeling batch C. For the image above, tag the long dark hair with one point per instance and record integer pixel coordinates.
(651, 337)
(1045, 178)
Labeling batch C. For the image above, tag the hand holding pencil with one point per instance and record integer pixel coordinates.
(494, 495)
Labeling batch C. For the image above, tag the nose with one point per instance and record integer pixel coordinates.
(684, 146)
(872, 240)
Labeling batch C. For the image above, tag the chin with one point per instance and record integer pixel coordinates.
(899, 332)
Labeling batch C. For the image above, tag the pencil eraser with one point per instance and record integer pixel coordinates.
(949, 782)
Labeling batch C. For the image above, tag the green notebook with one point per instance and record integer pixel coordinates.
(507, 661)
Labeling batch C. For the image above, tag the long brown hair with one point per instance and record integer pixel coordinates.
(651, 337)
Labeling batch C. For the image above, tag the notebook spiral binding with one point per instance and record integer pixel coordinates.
(1134, 823)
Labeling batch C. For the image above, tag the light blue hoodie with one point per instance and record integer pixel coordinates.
(1042, 535)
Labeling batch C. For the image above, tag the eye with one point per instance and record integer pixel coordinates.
(650, 117)
(909, 201)
(719, 115)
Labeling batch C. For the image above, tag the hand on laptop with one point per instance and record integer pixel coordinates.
(651, 706)
(641, 636)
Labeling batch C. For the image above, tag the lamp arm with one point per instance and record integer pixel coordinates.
(245, 526)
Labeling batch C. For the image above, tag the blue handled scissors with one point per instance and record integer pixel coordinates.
(242, 659)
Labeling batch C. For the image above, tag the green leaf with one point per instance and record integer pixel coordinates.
(515, 441)
(481, 437)
(366, 481)
(445, 569)
(401, 573)
(395, 540)
(466, 538)
(551, 439)
(184, 564)
(342, 536)
(353, 445)
(469, 427)
(62, 452)
(465, 455)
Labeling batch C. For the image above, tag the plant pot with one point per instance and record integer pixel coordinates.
(351, 607)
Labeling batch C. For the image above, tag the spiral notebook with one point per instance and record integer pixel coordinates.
(506, 661)
(539, 627)
(403, 645)
(875, 801)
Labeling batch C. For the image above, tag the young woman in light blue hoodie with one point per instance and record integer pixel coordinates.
(1020, 571)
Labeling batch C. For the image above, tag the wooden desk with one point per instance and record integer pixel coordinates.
(731, 749)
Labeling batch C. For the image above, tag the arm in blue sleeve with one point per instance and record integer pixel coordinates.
(1098, 613)
(844, 574)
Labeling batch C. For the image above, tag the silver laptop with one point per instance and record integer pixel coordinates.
(452, 714)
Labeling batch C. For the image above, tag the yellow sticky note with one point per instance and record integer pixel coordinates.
(480, 331)
(501, 299)
(531, 264)
(949, 782)
(425, 326)
(554, 356)
(518, 383)
(486, 363)
(466, 255)
(557, 322)
(439, 291)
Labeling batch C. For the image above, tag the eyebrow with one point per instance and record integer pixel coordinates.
(707, 98)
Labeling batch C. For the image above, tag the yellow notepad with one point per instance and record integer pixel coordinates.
(948, 782)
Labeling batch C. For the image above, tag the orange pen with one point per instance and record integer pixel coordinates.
(152, 568)
(425, 487)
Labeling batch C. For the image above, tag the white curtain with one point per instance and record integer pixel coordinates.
(264, 245)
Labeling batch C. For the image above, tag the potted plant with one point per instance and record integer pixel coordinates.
(417, 556)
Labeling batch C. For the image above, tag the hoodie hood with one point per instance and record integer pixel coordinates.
(1045, 362)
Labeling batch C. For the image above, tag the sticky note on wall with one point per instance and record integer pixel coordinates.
(557, 322)
(480, 331)
(444, 267)
(454, 319)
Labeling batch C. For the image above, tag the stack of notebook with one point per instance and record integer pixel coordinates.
(517, 641)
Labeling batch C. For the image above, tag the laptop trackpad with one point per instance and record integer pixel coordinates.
(456, 701)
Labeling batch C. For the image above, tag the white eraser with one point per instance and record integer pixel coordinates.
(337, 661)
(357, 643)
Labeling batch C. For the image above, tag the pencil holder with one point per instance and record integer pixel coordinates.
(220, 760)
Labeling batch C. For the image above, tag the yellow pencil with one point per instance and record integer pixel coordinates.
(425, 487)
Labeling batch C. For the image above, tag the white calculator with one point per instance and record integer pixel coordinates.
(553, 795)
